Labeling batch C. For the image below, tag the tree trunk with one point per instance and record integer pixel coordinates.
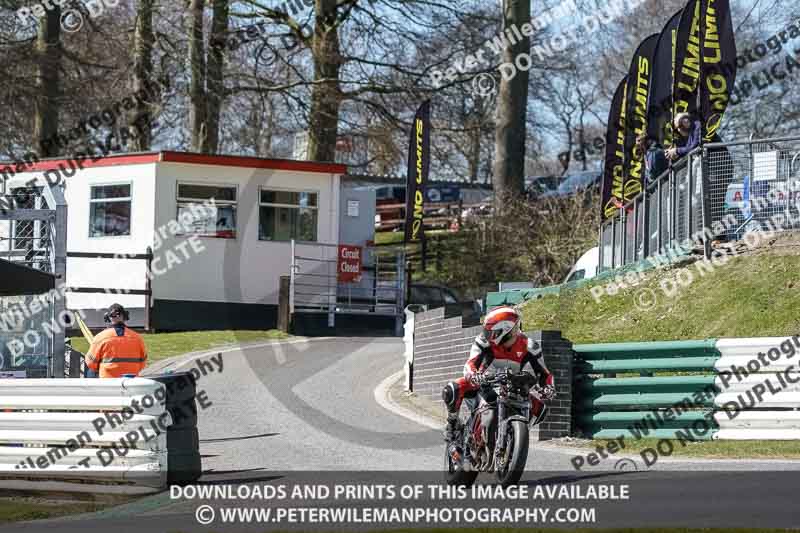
(143, 75)
(48, 57)
(216, 87)
(582, 141)
(475, 151)
(325, 96)
(197, 64)
(512, 101)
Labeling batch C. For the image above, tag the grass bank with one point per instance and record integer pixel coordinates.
(753, 294)
(163, 345)
(749, 296)
(15, 510)
(717, 449)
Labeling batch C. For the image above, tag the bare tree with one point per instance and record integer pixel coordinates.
(143, 71)
(48, 54)
(512, 104)
(197, 67)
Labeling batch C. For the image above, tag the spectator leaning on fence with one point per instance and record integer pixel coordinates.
(687, 128)
(118, 350)
(655, 163)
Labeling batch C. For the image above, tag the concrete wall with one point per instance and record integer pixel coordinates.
(441, 347)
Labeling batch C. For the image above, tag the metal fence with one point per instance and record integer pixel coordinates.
(315, 285)
(33, 232)
(719, 191)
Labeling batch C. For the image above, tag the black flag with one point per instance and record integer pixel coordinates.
(615, 149)
(687, 61)
(659, 122)
(636, 115)
(419, 160)
(718, 65)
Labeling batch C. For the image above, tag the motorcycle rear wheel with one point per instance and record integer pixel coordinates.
(516, 453)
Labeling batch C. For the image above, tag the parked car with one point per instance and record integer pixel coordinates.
(539, 185)
(430, 296)
(586, 266)
(588, 181)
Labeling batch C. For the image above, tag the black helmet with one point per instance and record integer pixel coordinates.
(116, 310)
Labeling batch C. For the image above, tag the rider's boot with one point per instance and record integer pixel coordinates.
(451, 433)
(451, 429)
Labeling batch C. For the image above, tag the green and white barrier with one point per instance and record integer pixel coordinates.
(697, 390)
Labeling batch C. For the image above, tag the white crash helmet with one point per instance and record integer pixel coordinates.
(500, 323)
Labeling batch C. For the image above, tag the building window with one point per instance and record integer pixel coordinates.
(220, 202)
(287, 215)
(110, 210)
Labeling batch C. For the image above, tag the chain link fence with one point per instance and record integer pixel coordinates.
(719, 191)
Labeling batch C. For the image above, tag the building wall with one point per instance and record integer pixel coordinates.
(226, 283)
(244, 270)
(106, 273)
(359, 229)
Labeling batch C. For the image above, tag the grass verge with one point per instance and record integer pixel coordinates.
(13, 510)
(595, 530)
(714, 449)
(163, 345)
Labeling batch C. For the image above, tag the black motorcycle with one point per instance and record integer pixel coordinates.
(489, 443)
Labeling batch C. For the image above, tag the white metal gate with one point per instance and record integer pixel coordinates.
(315, 285)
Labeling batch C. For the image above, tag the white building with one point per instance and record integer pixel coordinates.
(224, 270)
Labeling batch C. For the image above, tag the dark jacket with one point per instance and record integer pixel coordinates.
(655, 162)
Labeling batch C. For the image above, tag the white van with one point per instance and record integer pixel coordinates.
(586, 266)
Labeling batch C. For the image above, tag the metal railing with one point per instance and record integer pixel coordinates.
(718, 191)
(33, 232)
(315, 285)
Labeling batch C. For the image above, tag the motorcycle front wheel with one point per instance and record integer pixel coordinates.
(516, 453)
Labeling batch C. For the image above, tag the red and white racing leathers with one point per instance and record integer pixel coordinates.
(484, 355)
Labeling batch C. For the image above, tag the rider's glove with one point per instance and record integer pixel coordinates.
(548, 392)
(477, 379)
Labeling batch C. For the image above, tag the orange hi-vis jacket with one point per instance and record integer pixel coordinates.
(117, 351)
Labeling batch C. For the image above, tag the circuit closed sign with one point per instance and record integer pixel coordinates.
(349, 263)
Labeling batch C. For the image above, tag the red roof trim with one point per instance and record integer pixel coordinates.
(188, 158)
(113, 160)
(253, 162)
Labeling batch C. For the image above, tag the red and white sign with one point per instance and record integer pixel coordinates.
(349, 264)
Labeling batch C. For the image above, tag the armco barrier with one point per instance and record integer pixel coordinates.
(683, 406)
(83, 430)
(775, 416)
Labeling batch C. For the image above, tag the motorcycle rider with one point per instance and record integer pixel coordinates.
(501, 344)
